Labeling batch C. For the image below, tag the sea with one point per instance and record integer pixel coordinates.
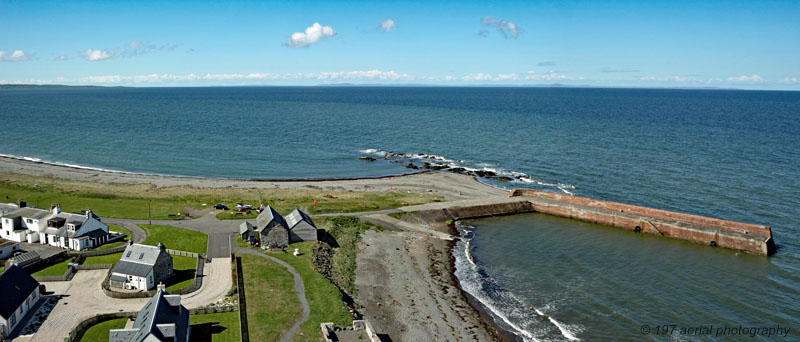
(730, 154)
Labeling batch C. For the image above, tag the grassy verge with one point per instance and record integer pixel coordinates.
(175, 238)
(323, 297)
(103, 259)
(272, 305)
(99, 332)
(140, 201)
(183, 269)
(116, 228)
(346, 230)
(218, 327)
(54, 270)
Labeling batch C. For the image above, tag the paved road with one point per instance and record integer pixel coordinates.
(298, 286)
(83, 297)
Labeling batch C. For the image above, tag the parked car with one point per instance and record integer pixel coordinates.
(242, 206)
(220, 206)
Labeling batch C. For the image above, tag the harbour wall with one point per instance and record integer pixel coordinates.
(750, 238)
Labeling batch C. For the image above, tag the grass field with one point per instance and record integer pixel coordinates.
(272, 305)
(116, 228)
(183, 272)
(141, 201)
(323, 297)
(103, 259)
(218, 327)
(54, 270)
(99, 332)
(175, 238)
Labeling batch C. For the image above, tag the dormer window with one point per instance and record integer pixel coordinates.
(29, 221)
(71, 227)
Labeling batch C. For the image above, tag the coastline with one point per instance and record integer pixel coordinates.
(428, 262)
(450, 185)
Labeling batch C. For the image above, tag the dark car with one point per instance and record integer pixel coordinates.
(220, 206)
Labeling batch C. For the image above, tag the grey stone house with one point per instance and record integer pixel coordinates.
(162, 319)
(300, 226)
(271, 229)
(141, 267)
(247, 231)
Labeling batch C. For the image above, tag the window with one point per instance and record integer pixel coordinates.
(34, 293)
(13, 319)
(29, 220)
(141, 256)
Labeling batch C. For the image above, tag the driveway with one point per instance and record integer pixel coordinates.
(83, 297)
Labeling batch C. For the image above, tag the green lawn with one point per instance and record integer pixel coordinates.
(103, 259)
(175, 238)
(99, 332)
(183, 272)
(116, 228)
(54, 270)
(272, 304)
(218, 327)
(323, 297)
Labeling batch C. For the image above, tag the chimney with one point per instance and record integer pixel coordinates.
(56, 209)
(21, 203)
(130, 243)
(161, 246)
(161, 287)
(89, 212)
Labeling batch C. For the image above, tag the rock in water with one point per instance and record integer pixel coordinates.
(367, 159)
(411, 165)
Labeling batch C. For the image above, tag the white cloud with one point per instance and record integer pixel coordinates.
(98, 55)
(363, 75)
(745, 78)
(788, 80)
(313, 34)
(16, 56)
(61, 58)
(387, 25)
(505, 27)
(547, 76)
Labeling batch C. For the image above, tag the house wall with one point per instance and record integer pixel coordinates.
(8, 251)
(163, 267)
(303, 232)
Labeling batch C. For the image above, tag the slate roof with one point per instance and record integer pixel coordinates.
(245, 227)
(267, 216)
(15, 286)
(132, 268)
(141, 254)
(137, 260)
(163, 318)
(22, 258)
(296, 216)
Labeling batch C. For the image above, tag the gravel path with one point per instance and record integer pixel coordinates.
(298, 286)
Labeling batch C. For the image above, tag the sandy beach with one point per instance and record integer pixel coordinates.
(405, 279)
(449, 185)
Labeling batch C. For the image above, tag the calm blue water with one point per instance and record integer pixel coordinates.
(728, 154)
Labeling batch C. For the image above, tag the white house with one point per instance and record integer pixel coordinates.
(8, 248)
(141, 267)
(53, 227)
(20, 293)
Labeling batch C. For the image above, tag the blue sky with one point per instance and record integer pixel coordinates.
(740, 44)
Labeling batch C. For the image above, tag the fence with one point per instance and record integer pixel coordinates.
(183, 253)
(77, 333)
(245, 332)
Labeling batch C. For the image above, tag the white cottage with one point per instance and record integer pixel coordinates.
(19, 293)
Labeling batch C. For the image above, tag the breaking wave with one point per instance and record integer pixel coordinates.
(507, 309)
(485, 171)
